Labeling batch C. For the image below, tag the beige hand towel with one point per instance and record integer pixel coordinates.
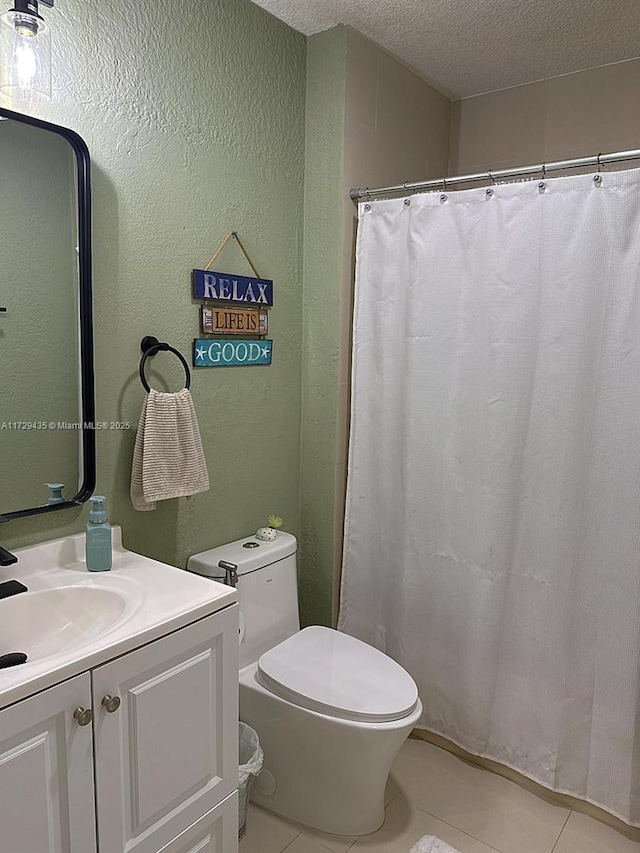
(168, 459)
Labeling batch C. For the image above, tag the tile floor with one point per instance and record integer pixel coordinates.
(432, 792)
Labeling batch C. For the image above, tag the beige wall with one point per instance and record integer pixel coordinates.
(397, 126)
(576, 115)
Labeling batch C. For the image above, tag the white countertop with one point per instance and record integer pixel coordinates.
(160, 599)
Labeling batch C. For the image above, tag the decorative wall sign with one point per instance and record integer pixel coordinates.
(214, 352)
(223, 287)
(228, 320)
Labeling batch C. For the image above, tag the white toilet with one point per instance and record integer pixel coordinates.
(331, 712)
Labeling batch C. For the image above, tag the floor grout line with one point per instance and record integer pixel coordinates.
(324, 846)
(328, 849)
(562, 830)
(286, 846)
(319, 840)
(452, 825)
(355, 840)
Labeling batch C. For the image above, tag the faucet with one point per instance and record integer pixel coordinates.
(230, 572)
(6, 557)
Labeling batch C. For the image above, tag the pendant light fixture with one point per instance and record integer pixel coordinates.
(25, 52)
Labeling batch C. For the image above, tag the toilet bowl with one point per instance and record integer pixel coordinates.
(331, 711)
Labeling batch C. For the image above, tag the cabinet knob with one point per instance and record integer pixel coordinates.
(83, 716)
(111, 703)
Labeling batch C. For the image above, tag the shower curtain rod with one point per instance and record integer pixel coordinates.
(442, 183)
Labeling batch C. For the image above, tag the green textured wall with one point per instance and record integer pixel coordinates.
(323, 259)
(194, 118)
(369, 120)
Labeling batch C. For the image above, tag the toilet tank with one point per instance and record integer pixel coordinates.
(267, 589)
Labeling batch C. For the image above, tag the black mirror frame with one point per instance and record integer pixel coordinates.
(85, 314)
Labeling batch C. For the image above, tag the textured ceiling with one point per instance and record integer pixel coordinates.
(467, 47)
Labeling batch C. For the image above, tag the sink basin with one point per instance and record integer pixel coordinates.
(52, 621)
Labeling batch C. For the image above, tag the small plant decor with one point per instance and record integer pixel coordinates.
(268, 534)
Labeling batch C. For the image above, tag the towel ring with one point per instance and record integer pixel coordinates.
(151, 346)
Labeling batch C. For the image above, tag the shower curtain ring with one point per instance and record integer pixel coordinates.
(367, 193)
(491, 180)
(599, 162)
(444, 185)
(544, 170)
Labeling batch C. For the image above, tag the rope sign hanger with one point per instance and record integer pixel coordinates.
(234, 234)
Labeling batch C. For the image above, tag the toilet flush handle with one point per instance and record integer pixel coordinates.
(230, 572)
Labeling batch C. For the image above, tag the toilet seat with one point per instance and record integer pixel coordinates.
(335, 674)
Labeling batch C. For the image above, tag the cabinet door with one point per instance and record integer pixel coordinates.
(46, 773)
(169, 753)
(215, 832)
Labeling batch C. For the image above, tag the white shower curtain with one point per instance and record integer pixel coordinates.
(492, 539)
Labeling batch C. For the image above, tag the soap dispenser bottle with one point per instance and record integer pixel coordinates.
(98, 539)
(55, 493)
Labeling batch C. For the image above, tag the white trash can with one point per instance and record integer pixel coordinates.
(251, 758)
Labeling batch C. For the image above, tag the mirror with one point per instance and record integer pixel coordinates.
(46, 339)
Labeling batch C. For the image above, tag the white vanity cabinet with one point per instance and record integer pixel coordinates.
(161, 745)
(215, 832)
(46, 773)
(168, 754)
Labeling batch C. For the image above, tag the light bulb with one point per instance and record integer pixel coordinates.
(25, 56)
(25, 63)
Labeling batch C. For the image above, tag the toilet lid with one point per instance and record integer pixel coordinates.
(330, 672)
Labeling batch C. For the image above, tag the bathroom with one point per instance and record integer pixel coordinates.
(203, 118)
